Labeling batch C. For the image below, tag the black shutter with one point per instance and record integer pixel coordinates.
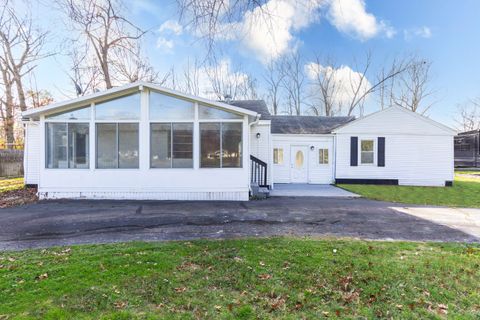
(381, 152)
(353, 151)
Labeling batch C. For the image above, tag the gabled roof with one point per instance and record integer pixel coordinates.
(307, 124)
(117, 91)
(405, 111)
(258, 106)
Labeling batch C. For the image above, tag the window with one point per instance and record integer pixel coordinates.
(277, 155)
(221, 145)
(163, 107)
(367, 152)
(299, 159)
(67, 145)
(323, 156)
(171, 145)
(205, 112)
(82, 113)
(117, 145)
(123, 108)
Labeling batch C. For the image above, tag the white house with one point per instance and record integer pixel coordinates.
(141, 141)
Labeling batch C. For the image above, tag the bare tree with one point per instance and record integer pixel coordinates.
(214, 18)
(414, 87)
(274, 78)
(294, 82)
(229, 85)
(361, 92)
(7, 106)
(324, 87)
(21, 46)
(133, 66)
(105, 32)
(191, 78)
(469, 115)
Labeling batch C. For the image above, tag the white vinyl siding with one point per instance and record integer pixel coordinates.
(261, 147)
(32, 153)
(417, 151)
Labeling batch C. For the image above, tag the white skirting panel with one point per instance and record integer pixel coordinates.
(119, 195)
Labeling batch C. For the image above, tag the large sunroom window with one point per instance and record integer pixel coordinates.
(207, 113)
(164, 107)
(122, 108)
(171, 145)
(221, 145)
(67, 145)
(117, 145)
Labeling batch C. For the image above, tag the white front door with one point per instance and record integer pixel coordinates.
(299, 164)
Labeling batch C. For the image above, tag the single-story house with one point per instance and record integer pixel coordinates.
(142, 141)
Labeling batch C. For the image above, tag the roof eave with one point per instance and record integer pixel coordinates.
(129, 87)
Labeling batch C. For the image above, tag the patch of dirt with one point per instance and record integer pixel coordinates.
(18, 197)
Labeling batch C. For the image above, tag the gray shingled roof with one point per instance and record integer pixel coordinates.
(293, 124)
(307, 124)
(259, 106)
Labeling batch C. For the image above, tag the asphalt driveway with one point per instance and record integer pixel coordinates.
(66, 222)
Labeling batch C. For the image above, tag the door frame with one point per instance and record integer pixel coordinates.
(305, 161)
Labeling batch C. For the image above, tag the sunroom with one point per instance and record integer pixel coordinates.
(142, 142)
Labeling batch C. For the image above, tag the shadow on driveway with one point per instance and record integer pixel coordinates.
(67, 222)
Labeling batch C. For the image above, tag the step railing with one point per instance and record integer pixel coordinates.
(258, 172)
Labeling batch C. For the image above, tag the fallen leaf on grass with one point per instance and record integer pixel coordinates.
(442, 308)
(277, 303)
(218, 308)
(399, 306)
(181, 289)
(120, 304)
(264, 276)
(42, 276)
(325, 313)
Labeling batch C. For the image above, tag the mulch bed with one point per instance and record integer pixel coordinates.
(18, 197)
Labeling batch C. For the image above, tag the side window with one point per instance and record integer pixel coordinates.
(67, 145)
(278, 156)
(367, 153)
(171, 145)
(117, 145)
(323, 156)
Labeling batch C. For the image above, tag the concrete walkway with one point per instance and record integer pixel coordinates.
(309, 190)
(463, 219)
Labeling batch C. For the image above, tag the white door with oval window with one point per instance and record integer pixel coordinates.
(299, 164)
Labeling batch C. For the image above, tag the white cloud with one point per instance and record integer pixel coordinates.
(268, 29)
(422, 32)
(351, 17)
(165, 45)
(344, 81)
(171, 26)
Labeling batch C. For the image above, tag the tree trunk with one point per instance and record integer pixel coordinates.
(8, 120)
(21, 94)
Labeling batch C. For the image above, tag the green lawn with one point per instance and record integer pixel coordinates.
(243, 279)
(10, 184)
(464, 193)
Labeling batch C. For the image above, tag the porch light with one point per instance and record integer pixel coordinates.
(258, 135)
(312, 148)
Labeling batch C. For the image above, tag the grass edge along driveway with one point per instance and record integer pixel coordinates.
(243, 279)
(465, 192)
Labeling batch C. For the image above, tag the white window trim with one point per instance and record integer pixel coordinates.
(283, 156)
(374, 151)
(318, 157)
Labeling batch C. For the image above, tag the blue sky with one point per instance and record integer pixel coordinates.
(445, 32)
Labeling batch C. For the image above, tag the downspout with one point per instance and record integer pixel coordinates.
(335, 158)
